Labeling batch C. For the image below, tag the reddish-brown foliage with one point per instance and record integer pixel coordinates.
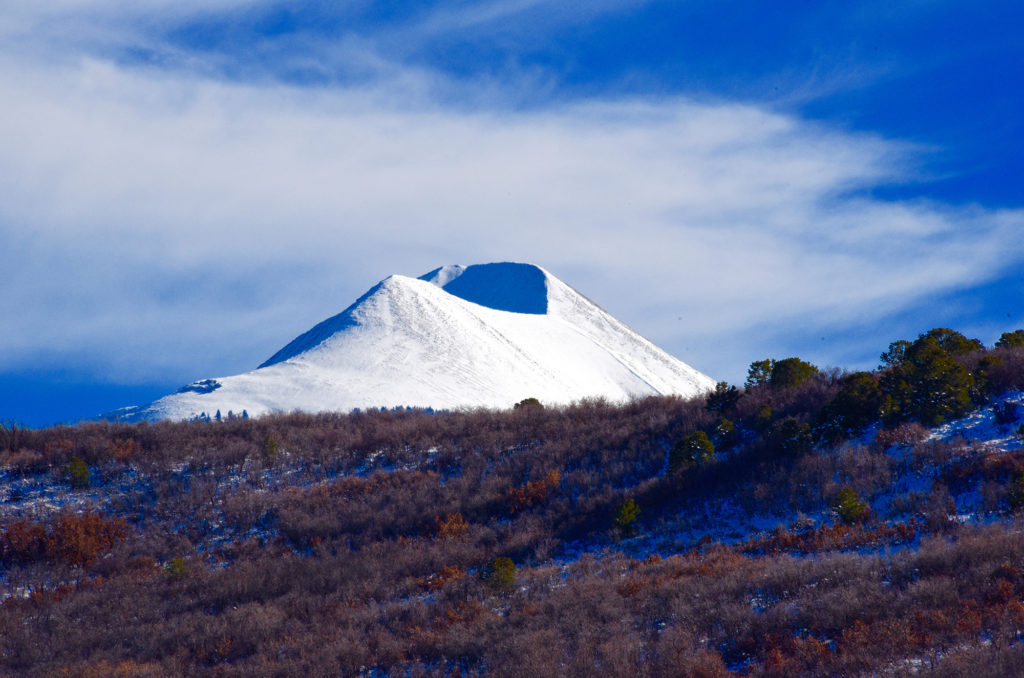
(73, 539)
(833, 537)
(534, 492)
(453, 526)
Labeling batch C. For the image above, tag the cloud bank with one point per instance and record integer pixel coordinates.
(161, 223)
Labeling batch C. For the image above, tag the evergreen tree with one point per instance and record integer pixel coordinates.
(857, 404)
(1011, 339)
(850, 508)
(894, 354)
(725, 434)
(952, 342)
(779, 373)
(927, 384)
(763, 417)
(78, 473)
(724, 397)
(693, 450)
(626, 515)
(791, 371)
(984, 385)
(791, 438)
(500, 573)
(759, 372)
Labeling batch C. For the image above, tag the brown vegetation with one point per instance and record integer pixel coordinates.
(472, 543)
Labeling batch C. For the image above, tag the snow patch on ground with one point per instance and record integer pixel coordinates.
(981, 425)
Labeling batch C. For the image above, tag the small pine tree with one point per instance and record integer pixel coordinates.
(763, 418)
(850, 508)
(77, 473)
(693, 450)
(176, 568)
(725, 434)
(626, 515)
(500, 573)
(270, 448)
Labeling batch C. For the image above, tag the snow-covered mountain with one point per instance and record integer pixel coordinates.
(488, 335)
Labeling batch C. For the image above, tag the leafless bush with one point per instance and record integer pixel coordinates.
(907, 433)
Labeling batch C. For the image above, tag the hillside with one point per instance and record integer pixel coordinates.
(808, 523)
(488, 335)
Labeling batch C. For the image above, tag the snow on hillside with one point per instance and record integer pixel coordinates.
(479, 336)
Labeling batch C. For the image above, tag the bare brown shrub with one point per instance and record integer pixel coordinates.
(906, 434)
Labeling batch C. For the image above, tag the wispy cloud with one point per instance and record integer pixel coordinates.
(512, 16)
(160, 223)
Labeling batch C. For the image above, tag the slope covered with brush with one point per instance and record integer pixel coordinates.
(807, 523)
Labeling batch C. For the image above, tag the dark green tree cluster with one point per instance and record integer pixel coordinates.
(528, 403)
(763, 418)
(984, 384)
(923, 380)
(939, 376)
(854, 407)
(723, 398)
(1011, 339)
(779, 373)
(790, 372)
(792, 438)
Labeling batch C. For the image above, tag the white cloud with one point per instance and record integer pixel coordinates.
(159, 224)
(519, 17)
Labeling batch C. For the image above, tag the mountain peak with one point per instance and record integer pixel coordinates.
(487, 335)
(505, 286)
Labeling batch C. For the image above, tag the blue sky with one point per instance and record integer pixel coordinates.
(189, 185)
